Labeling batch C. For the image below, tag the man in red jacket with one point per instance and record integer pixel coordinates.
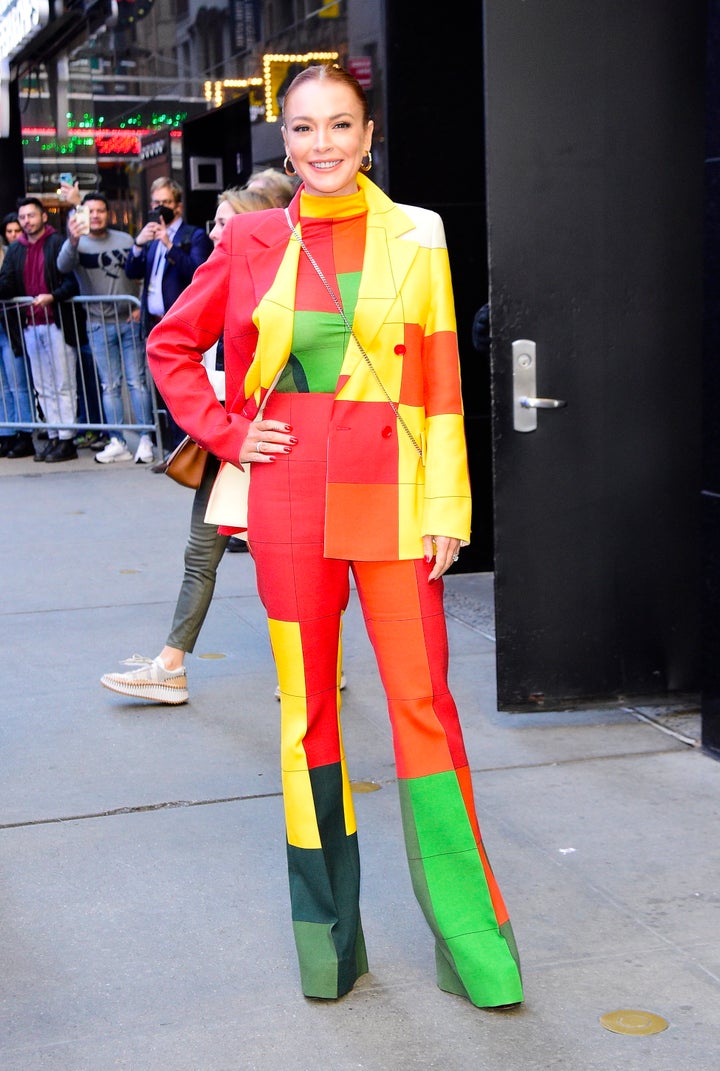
(30, 270)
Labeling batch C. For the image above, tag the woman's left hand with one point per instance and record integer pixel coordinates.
(445, 550)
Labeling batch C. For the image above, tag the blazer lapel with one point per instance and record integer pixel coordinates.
(275, 312)
(386, 264)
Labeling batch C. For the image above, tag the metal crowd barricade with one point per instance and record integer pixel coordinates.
(89, 414)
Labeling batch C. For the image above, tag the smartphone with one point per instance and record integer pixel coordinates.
(82, 215)
(155, 215)
(67, 178)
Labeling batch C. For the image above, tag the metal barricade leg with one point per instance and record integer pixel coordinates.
(18, 408)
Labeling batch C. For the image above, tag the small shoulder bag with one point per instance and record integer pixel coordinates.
(186, 464)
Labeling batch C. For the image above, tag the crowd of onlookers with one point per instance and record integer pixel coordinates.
(70, 364)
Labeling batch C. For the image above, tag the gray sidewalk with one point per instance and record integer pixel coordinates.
(145, 918)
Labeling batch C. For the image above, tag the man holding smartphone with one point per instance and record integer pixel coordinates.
(165, 255)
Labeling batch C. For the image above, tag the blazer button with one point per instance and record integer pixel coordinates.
(386, 433)
(400, 350)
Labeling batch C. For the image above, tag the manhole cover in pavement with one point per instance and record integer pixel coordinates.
(630, 1021)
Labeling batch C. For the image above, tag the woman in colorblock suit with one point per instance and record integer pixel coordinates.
(343, 304)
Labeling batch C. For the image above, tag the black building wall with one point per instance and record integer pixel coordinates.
(711, 396)
(436, 158)
(217, 154)
(12, 175)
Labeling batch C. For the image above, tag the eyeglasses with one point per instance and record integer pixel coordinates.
(167, 203)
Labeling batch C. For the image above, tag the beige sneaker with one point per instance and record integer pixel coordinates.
(150, 681)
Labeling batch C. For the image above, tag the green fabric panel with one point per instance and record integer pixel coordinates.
(486, 966)
(412, 849)
(319, 343)
(349, 283)
(474, 957)
(461, 898)
(507, 931)
(311, 894)
(324, 893)
(440, 814)
(341, 852)
(317, 959)
(445, 842)
(321, 974)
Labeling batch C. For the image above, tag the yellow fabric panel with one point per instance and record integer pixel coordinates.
(350, 823)
(301, 823)
(410, 500)
(448, 506)
(287, 650)
(274, 318)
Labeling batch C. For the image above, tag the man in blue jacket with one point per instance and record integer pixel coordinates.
(165, 255)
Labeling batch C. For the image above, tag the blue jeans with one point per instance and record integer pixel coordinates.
(16, 405)
(117, 348)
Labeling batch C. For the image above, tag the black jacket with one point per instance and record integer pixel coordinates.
(61, 285)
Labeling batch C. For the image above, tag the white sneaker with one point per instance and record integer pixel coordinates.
(144, 454)
(150, 680)
(116, 450)
(343, 686)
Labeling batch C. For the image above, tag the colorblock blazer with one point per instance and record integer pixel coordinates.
(382, 494)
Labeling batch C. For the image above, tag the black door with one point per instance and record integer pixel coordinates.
(433, 142)
(594, 145)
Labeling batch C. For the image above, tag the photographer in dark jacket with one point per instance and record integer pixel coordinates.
(48, 330)
(165, 255)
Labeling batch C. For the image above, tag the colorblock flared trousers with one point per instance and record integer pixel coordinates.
(305, 595)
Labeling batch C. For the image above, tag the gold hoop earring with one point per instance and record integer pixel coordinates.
(288, 165)
(366, 162)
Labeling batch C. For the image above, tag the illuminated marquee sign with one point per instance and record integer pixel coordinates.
(279, 70)
(20, 21)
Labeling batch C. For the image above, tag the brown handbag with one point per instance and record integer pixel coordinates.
(186, 464)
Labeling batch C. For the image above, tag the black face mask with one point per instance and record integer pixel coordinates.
(161, 213)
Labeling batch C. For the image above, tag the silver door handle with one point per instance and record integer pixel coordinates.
(525, 402)
(542, 403)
